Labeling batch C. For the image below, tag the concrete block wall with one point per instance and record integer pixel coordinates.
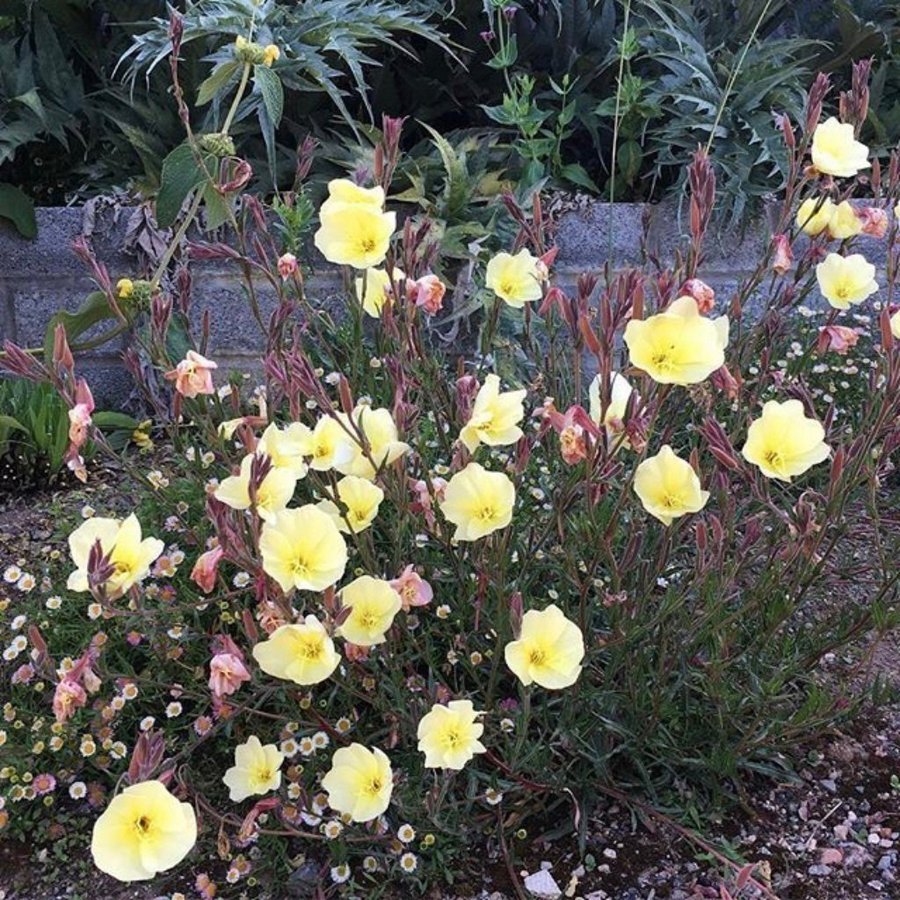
(40, 277)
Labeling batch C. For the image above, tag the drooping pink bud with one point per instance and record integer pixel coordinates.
(427, 293)
(205, 569)
(227, 673)
(68, 696)
(783, 257)
(701, 292)
(837, 338)
(287, 265)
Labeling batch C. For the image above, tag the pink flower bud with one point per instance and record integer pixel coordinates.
(427, 293)
(784, 256)
(205, 569)
(701, 292)
(287, 265)
(838, 338)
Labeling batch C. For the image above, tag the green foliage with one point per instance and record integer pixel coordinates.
(18, 207)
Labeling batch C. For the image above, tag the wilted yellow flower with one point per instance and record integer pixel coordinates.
(354, 230)
(835, 150)
(271, 53)
(678, 345)
(256, 770)
(130, 556)
(515, 279)
(272, 496)
(668, 486)
(329, 445)
(846, 279)
(478, 502)
(359, 782)
(814, 215)
(549, 650)
(360, 498)
(303, 653)
(784, 442)
(377, 425)
(143, 831)
(373, 289)
(614, 418)
(302, 548)
(495, 417)
(373, 603)
(448, 735)
(286, 447)
(844, 222)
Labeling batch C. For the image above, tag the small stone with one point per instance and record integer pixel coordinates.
(829, 785)
(875, 884)
(543, 885)
(819, 870)
(841, 832)
(609, 853)
(831, 857)
(874, 838)
(887, 861)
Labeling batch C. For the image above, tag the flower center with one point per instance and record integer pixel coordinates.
(537, 656)
(773, 458)
(452, 738)
(507, 287)
(367, 244)
(142, 826)
(300, 567)
(487, 513)
(373, 788)
(311, 648)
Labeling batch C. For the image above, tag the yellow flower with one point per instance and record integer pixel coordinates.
(783, 442)
(549, 650)
(373, 603)
(814, 215)
(302, 653)
(478, 502)
(448, 735)
(668, 486)
(844, 222)
(515, 279)
(256, 770)
(895, 325)
(678, 345)
(342, 192)
(271, 53)
(359, 782)
(495, 417)
(846, 279)
(143, 831)
(835, 150)
(286, 447)
(124, 288)
(356, 235)
(272, 495)
(377, 425)
(302, 548)
(614, 417)
(373, 289)
(130, 556)
(360, 498)
(329, 445)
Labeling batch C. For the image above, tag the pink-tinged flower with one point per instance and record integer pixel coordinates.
(205, 569)
(79, 428)
(193, 375)
(422, 499)
(68, 696)
(427, 293)
(202, 725)
(227, 673)
(79, 423)
(287, 265)
(726, 382)
(43, 784)
(412, 588)
(784, 256)
(355, 653)
(575, 429)
(838, 338)
(874, 221)
(23, 675)
(134, 638)
(704, 295)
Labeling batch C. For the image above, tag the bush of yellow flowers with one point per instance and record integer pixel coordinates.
(398, 599)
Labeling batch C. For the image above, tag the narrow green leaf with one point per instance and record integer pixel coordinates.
(217, 81)
(269, 85)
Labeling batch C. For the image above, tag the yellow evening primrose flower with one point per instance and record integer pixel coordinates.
(343, 192)
(515, 279)
(355, 235)
(359, 782)
(272, 496)
(256, 770)
(814, 215)
(835, 150)
(373, 603)
(329, 445)
(385, 447)
(303, 652)
(614, 418)
(846, 279)
(373, 289)
(668, 486)
(130, 555)
(448, 735)
(495, 417)
(784, 442)
(302, 548)
(844, 222)
(895, 325)
(478, 502)
(143, 831)
(286, 447)
(357, 504)
(549, 650)
(678, 345)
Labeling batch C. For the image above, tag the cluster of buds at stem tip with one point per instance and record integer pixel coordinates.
(702, 181)
(719, 444)
(387, 150)
(853, 106)
(146, 756)
(815, 101)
